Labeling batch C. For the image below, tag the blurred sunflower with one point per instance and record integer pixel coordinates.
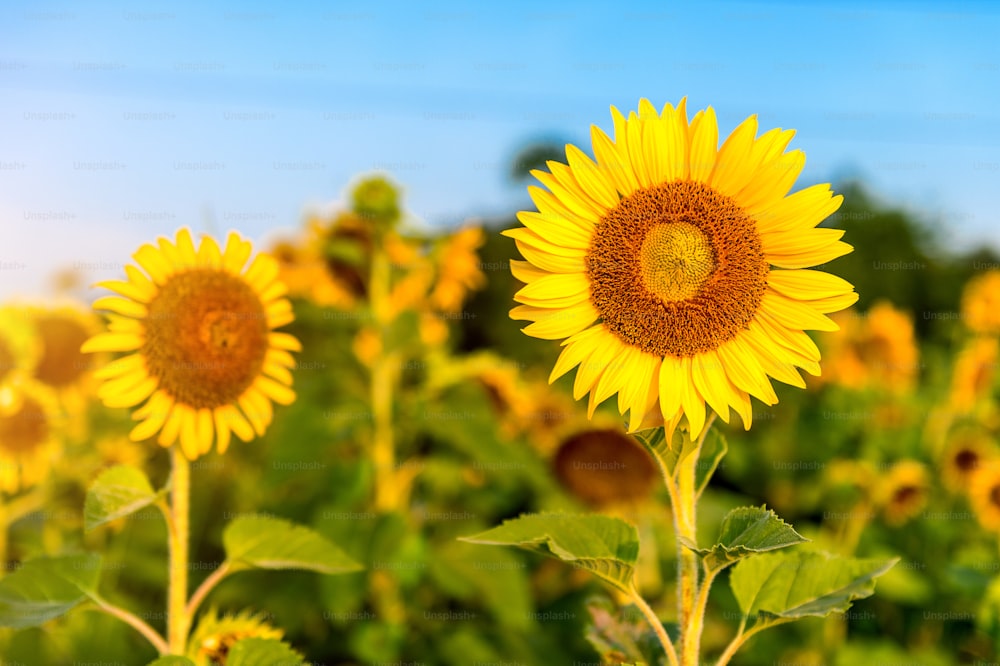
(210, 643)
(690, 256)
(975, 370)
(19, 346)
(903, 491)
(981, 303)
(876, 350)
(458, 269)
(604, 466)
(984, 493)
(29, 427)
(328, 265)
(968, 449)
(204, 355)
(61, 331)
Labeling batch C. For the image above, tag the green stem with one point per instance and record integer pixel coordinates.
(654, 622)
(178, 620)
(133, 621)
(685, 522)
(207, 586)
(382, 377)
(742, 637)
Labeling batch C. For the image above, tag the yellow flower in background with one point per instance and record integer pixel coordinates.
(874, 350)
(62, 366)
(459, 269)
(210, 643)
(19, 345)
(29, 434)
(975, 370)
(968, 449)
(691, 259)
(984, 493)
(202, 351)
(981, 303)
(903, 491)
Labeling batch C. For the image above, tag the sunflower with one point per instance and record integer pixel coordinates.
(903, 491)
(981, 303)
(690, 259)
(19, 347)
(967, 450)
(984, 492)
(876, 350)
(975, 370)
(62, 366)
(459, 269)
(215, 636)
(203, 353)
(29, 434)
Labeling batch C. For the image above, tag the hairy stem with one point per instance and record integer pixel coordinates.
(178, 620)
(654, 622)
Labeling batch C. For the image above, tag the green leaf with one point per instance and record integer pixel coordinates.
(171, 660)
(713, 450)
(623, 634)
(745, 531)
(605, 546)
(262, 652)
(117, 492)
(266, 542)
(45, 588)
(798, 584)
(669, 453)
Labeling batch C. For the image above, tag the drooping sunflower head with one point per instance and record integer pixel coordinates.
(675, 268)
(202, 352)
(605, 466)
(903, 491)
(981, 303)
(30, 424)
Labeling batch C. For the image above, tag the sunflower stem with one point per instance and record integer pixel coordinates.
(654, 622)
(207, 586)
(133, 621)
(178, 618)
(383, 446)
(691, 601)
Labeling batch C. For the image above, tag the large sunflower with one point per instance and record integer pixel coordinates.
(690, 260)
(204, 355)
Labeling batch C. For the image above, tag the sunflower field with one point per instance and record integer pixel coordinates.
(548, 439)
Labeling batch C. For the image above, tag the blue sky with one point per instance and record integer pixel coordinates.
(121, 122)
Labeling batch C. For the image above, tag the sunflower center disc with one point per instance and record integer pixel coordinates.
(206, 337)
(676, 269)
(675, 260)
(967, 460)
(25, 429)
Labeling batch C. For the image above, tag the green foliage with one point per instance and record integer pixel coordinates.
(798, 584)
(745, 531)
(266, 542)
(171, 660)
(262, 652)
(118, 491)
(47, 587)
(605, 546)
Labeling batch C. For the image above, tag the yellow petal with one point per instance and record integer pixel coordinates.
(111, 342)
(590, 178)
(807, 285)
(122, 366)
(671, 378)
(172, 427)
(798, 211)
(185, 247)
(612, 162)
(222, 429)
(549, 261)
(795, 314)
(558, 230)
(209, 253)
(731, 171)
(127, 289)
(704, 146)
(575, 349)
(145, 287)
(563, 322)
(525, 235)
(153, 262)
(262, 272)
(557, 290)
(189, 433)
(278, 372)
(236, 422)
(691, 401)
(280, 393)
(284, 341)
(237, 252)
(525, 272)
(205, 430)
(710, 379)
(131, 396)
(122, 306)
(645, 398)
